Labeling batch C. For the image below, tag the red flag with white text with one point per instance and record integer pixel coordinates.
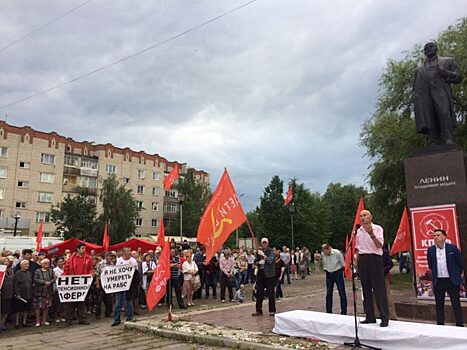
(289, 196)
(170, 179)
(158, 286)
(39, 239)
(2, 274)
(221, 217)
(402, 242)
(351, 252)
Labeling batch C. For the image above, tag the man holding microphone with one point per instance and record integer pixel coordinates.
(370, 239)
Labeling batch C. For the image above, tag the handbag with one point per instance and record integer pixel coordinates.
(195, 282)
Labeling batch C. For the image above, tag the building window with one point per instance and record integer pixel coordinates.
(21, 205)
(171, 207)
(88, 163)
(110, 169)
(140, 189)
(24, 165)
(2, 193)
(47, 178)
(23, 184)
(126, 180)
(2, 172)
(140, 205)
(155, 191)
(154, 222)
(71, 160)
(88, 182)
(155, 175)
(4, 152)
(171, 193)
(47, 158)
(43, 217)
(155, 206)
(45, 197)
(141, 174)
(139, 222)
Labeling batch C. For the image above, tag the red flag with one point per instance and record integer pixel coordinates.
(2, 274)
(170, 179)
(402, 241)
(289, 197)
(221, 217)
(106, 239)
(39, 239)
(158, 286)
(161, 234)
(351, 252)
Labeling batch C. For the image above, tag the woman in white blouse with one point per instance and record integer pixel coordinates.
(189, 269)
(148, 270)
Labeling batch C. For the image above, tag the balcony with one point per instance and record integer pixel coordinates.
(72, 188)
(71, 171)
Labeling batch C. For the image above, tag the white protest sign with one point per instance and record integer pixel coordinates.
(117, 278)
(73, 288)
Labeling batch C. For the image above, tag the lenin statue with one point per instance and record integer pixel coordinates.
(432, 97)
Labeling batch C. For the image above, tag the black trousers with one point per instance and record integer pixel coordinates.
(103, 297)
(70, 308)
(261, 283)
(370, 269)
(444, 285)
(174, 284)
(226, 282)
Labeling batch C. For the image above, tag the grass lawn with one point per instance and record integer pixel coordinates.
(402, 281)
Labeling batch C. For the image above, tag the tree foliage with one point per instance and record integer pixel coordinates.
(196, 196)
(390, 136)
(75, 215)
(119, 209)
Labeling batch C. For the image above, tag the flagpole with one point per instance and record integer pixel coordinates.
(292, 209)
(252, 234)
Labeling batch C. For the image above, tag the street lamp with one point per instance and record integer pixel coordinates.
(180, 201)
(16, 217)
(292, 210)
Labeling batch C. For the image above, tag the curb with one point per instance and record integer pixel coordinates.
(201, 339)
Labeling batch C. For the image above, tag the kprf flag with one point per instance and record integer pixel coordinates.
(351, 252)
(158, 286)
(161, 234)
(289, 196)
(402, 242)
(2, 274)
(106, 239)
(170, 179)
(39, 239)
(221, 217)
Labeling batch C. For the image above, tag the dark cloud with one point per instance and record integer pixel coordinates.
(275, 88)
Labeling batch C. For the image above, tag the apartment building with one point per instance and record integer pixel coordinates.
(39, 169)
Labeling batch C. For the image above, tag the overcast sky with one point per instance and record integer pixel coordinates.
(275, 88)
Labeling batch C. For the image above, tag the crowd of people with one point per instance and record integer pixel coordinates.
(29, 296)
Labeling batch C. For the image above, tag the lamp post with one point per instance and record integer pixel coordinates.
(236, 231)
(292, 210)
(181, 217)
(16, 217)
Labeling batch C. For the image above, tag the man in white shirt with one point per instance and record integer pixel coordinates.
(125, 297)
(333, 264)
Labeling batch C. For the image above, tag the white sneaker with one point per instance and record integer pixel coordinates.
(63, 319)
(38, 324)
(46, 323)
(57, 320)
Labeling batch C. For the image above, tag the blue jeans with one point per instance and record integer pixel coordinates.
(336, 277)
(120, 300)
(287, 273)
(240, 278)
(250, 274)
(279, 289)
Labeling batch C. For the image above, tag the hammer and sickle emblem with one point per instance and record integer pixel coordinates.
(221, 226)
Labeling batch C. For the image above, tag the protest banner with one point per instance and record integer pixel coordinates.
(73, 288)
(117, 278)
(424, 221)
(2, 274)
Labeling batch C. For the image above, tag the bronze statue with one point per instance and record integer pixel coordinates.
(432, 97)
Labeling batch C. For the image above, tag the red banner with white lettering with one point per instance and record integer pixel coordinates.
(2, 274)
(158, 286)
(424, 221)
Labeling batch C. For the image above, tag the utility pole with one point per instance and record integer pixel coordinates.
(16, 217)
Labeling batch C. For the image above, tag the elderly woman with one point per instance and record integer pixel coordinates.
(43, 292)
(7, 290)
(22, 285)
(190, 270)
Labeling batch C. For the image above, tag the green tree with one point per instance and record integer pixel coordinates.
(76, 216)
(390, 136)
(119, 209)
(342, 202)
(196, 196)
(272, 213)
